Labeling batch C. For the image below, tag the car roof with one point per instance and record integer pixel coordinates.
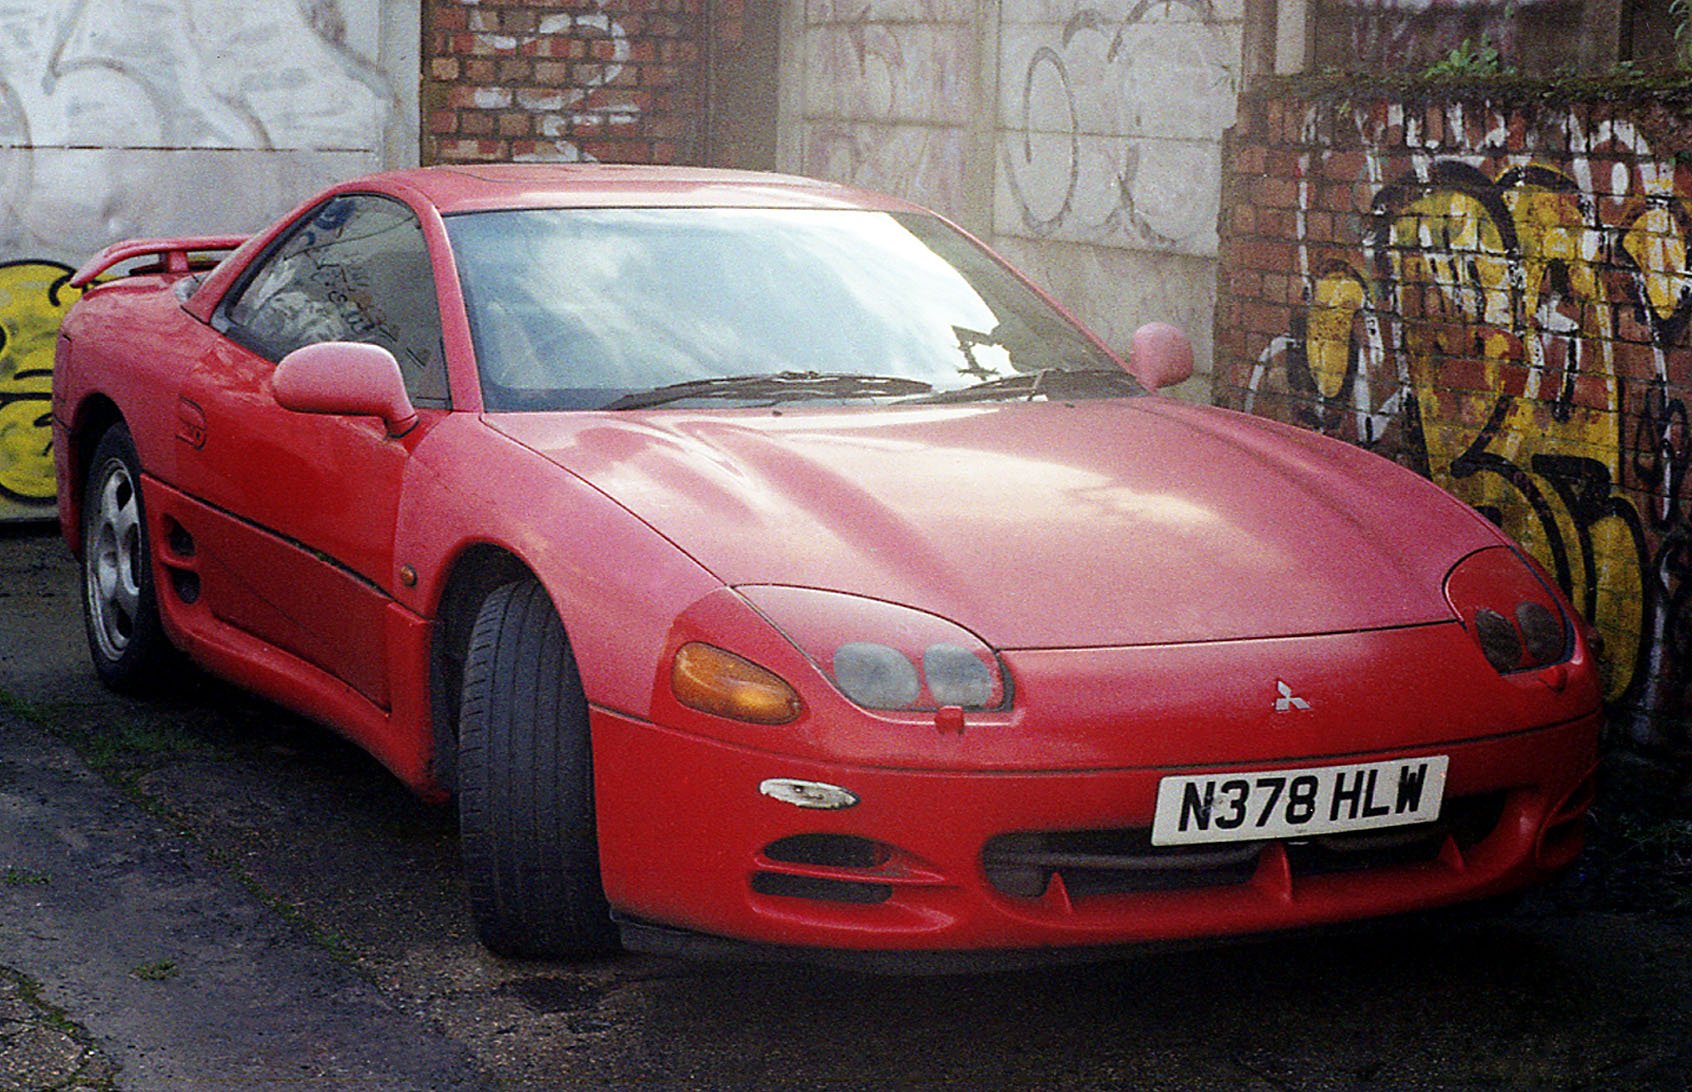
(479, 187)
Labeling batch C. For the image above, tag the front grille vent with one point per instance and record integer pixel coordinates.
(1118, 862)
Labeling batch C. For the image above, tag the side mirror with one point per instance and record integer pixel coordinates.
(345, 378)
(1161, 356)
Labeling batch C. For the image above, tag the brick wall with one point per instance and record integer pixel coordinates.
(537, 80)
(1495, 294)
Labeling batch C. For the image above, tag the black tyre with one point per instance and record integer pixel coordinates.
(525, 785)
(120, 609)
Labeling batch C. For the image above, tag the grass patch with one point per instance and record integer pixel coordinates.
(23, 710)
(1662, 850)
(162, 970)
(128, 745)
(1637, 860)
(25, 877)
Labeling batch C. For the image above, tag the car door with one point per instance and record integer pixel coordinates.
(295, 542)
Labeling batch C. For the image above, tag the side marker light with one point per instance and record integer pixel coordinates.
(809, 794)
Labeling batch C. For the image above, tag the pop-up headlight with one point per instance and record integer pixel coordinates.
(885, 656)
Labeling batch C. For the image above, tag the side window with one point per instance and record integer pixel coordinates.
(356, 268)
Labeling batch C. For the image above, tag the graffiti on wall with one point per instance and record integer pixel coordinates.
(101, 103)
(34, 296)
(888, 90)
(594, 101)
(1113, 123)
(1510, 329)
(149, 117)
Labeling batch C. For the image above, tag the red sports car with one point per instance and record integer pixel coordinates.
(764, 565)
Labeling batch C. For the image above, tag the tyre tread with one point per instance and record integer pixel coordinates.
(526, 785)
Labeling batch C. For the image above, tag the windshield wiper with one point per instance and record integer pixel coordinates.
(1056, 383)
(775, 387)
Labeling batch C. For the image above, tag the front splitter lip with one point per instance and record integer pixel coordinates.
(684, 833)
(650, 938)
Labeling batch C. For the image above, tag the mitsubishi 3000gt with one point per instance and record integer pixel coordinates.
(765, 566)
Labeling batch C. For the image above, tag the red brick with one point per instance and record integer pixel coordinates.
(1345, 166)
(465, 151)
(1266, 318)
(1273, 192)
(666, 127)
(1282, 162)
(1634, 363)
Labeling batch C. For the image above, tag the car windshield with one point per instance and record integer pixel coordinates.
(625, 308)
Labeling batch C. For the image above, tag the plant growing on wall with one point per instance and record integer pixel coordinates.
(1476, 58)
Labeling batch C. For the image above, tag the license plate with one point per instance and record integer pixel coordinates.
(1242, 807)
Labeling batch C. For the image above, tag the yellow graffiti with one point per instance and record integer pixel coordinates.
(1657, 247)
(1507, 339)
(33, 299)
(1338, 297)
(1451, 242)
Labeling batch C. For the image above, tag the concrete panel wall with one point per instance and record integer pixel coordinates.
(1081, 138)
(140, 117)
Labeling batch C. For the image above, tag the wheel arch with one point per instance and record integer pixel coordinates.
(93, 418)
(471, 576)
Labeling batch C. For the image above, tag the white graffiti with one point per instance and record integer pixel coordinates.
(560, 110)
(1113, 123)
(887, 99)
(113, 113)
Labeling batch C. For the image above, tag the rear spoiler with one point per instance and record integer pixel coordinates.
(173, 255)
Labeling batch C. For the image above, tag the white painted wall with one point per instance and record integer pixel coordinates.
(121, 118)
(1080, 137)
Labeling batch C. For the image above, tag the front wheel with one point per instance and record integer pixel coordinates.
(120, 608)
(525, 785)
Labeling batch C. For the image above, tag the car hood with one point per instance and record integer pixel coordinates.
(1036, 525)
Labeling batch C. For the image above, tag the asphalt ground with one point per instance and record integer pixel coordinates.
(205, 891)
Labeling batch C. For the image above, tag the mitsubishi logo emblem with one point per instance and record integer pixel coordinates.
(1288, 701)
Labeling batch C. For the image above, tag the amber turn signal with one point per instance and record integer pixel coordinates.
(713, 681)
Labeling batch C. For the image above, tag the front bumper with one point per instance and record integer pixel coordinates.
(688, 842)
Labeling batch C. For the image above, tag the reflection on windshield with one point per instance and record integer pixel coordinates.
(582, 308)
